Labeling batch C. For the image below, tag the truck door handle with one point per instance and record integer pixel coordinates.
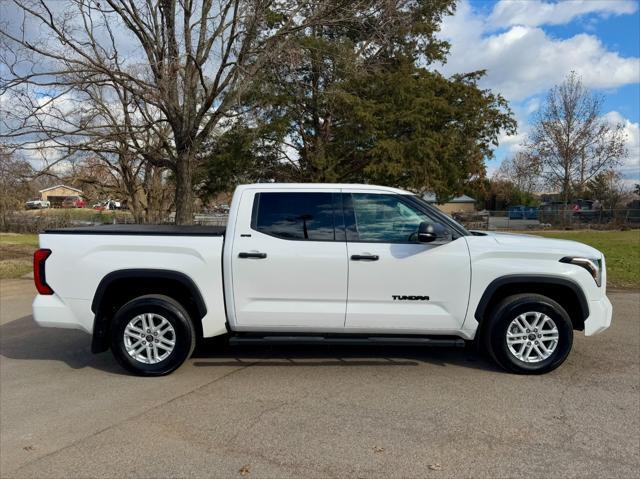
(365, 257)
(252, 255)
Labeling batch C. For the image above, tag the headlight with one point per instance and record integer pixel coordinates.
(592, 265)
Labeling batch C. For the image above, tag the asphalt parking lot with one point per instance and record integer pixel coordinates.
(315, 412)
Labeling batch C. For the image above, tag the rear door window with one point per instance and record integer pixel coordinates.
(295, 216)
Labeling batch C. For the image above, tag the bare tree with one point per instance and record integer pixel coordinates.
(182, 64)
(142, 185)
(609, 189)
(522, 170)
(122, 143)
(15, 188)
(571, 140)
(106, 133)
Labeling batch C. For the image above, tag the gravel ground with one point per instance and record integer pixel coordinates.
(315, 411)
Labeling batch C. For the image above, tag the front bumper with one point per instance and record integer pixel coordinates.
(600, 312)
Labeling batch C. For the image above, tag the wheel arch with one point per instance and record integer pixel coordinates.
(119, 287)
(564, 291)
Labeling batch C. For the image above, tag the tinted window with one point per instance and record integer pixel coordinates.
(299, 216)
(385, 218)
(439, 217)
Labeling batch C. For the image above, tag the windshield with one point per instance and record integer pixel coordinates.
(446, 220)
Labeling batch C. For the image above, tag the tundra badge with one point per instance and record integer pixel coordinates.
(398, 297)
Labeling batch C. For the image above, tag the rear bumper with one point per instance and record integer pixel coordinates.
(600, 312)
(50, 311)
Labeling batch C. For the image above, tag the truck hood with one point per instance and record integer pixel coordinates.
(548, 245)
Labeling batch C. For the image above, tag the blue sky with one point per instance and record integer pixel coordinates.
(527, 46)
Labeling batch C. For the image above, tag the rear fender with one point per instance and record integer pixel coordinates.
(119, 287)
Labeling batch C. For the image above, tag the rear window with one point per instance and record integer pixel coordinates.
(294, 216)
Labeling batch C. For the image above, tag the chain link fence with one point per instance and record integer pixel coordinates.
(534, 219)
(212, 219)
(37, 222)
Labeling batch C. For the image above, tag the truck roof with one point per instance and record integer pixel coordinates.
(321, 186)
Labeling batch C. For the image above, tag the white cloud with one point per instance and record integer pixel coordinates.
(524, 61)
(631, 166)
(511, 145)
(532, 13)
(533, 105)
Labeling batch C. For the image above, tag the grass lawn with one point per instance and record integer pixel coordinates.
(621, 250)
(16, 254)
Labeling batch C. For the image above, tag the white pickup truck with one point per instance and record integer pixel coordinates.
(320, 263)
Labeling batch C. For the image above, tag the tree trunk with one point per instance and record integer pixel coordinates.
(136, 206)
(184, 189)
(154, 195)
(132, 194)
(566, 182)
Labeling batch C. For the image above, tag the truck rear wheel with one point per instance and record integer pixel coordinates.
(529, 334)
(152, 335)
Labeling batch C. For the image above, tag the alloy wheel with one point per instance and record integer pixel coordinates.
(532, 337)
(149, 338)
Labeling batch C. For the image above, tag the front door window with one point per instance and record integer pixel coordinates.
(384, 219)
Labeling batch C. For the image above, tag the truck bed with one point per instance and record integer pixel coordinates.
(141, 230)
(83, 256)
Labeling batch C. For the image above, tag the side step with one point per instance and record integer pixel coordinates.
(334, 340)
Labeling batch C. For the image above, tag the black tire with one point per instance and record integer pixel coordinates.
(172, 311)
(494, 334)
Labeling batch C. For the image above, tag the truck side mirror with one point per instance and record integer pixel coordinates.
(428, 232)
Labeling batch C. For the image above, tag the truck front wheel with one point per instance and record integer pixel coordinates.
(528, 334)
(152, 335)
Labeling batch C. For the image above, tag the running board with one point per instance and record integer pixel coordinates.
(373, 340)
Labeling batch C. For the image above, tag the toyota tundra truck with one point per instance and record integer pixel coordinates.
(320, 264)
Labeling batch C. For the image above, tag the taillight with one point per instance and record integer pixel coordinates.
(39, 257)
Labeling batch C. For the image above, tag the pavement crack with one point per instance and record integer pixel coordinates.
(134, 417)
(256, 419)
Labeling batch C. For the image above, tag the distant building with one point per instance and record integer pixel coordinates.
(57, 194)
(459, 204)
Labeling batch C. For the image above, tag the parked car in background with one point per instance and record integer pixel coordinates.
(552, 207)
(108, 205)
(581, 206)
(516, 212)
(588, 211)
(73, 202)
(222, 209)
(521, 212)
(37, 204)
